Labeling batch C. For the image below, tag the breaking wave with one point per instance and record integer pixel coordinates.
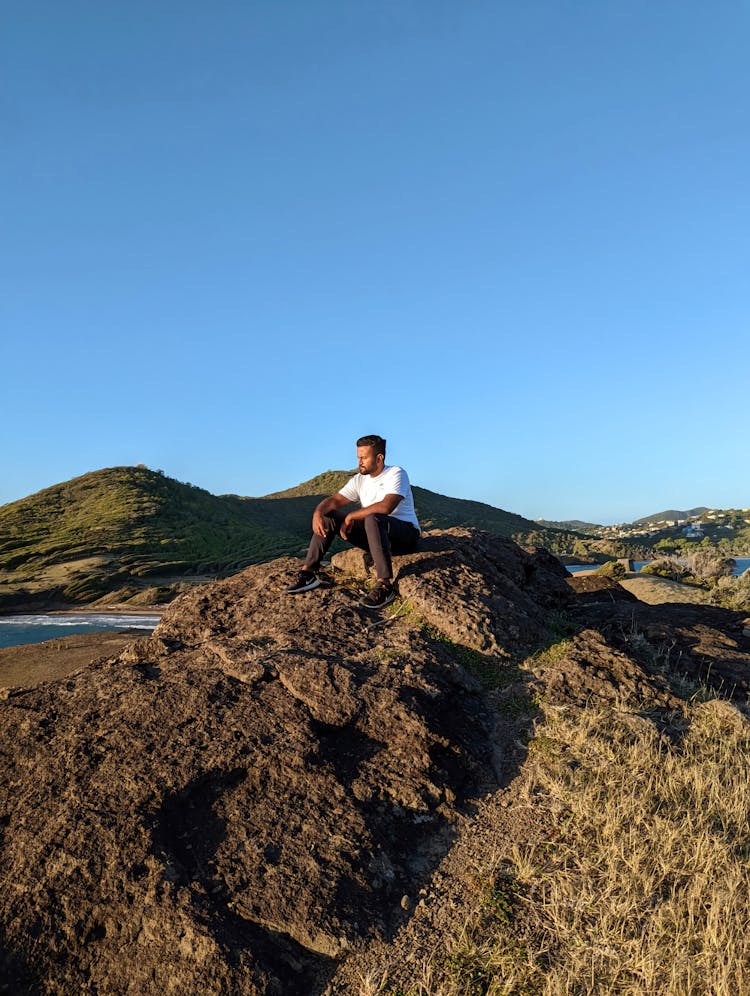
(94, 620)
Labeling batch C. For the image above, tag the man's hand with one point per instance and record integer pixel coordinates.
(326, 506)
(317, 523)
(346, 525)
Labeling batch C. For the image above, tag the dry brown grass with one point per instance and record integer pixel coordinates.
(647, 889)
(644, 888)
(655, 590)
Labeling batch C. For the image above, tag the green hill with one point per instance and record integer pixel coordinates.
(670, 515)
(123, 532)
(327, 483)
(436, 511)
(572, 525)
(126, 528)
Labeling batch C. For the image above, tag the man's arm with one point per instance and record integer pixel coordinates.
(385, 506)
(326, 506)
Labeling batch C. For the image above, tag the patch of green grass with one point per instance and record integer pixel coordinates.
(560, 626)
(516, 706)
(388, 655)
(403, 608)
(499, 898)
(545, 745)
(485, 669)
(560, 629)
(552, 654)
(351, 582)
(489, 671)
(468, 971)
(492, 964)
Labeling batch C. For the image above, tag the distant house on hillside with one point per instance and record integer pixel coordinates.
(694, 531)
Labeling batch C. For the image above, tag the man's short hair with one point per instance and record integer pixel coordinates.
(377, 443)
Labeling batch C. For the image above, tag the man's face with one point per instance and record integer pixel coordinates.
(368, 461)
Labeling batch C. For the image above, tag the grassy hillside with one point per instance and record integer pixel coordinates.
(119, 531)
(143, 520)
(436, 511)
(122, 528)
(655, 590)
(327, 483)
(574, 525)
(669, 514)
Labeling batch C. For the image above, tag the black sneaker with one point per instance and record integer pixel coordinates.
(305, 581)
(380, 596)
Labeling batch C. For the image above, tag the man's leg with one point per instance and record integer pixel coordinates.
(365, 535)
(386, 535)
(404, 536)
(319, 545)
(376, 530)
(378, 534)
(307, 579)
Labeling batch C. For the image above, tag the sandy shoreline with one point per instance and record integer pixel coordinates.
(31, 663)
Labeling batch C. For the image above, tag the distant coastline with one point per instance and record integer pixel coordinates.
(23, 629)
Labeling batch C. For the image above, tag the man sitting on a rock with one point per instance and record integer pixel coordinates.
(386, 522)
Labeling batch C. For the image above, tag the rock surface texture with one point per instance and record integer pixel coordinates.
(246, 800)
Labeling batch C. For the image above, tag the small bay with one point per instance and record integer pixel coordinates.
(36, 628)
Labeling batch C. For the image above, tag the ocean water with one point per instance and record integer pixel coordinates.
(21, 629)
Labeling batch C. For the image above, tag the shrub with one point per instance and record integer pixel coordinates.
(709, 564)
(666, 567)
(612, 569)
(732, 593)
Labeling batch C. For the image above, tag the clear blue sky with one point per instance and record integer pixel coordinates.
(512, 237)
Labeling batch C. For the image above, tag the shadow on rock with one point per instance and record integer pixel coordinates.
(237, 802)
(15, 977)
(700, 643)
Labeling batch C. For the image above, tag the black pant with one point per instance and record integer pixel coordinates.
(379, 534)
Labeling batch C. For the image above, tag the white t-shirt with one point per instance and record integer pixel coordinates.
(368, 490)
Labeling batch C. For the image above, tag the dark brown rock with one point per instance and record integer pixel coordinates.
(481, 590)
(593, 672)
(232, 803)
(595, 588)
(702, 643)
(235, 803)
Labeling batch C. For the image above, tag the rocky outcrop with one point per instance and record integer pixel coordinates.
(235, 803)
(479, 589)
(592, 671)
(704, 644)
(593, 589)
